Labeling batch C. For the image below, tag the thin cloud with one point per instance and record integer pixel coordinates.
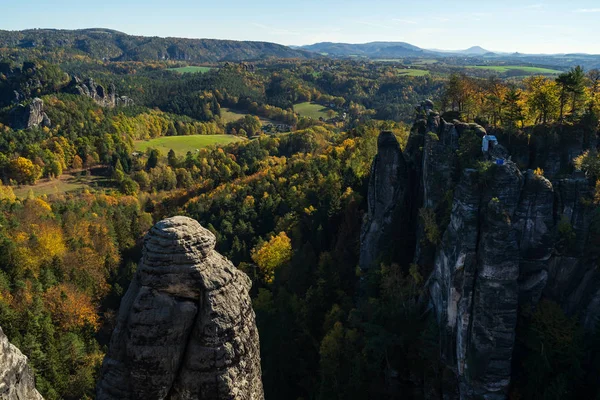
(535, 6)
(587, 10)
(404, 21)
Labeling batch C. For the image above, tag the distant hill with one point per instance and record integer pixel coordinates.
(106, 44)
(475, 50)
(387, 50)
(370, 50)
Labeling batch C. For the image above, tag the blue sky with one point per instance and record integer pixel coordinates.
(534, 26)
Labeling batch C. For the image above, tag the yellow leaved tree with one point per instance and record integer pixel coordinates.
(271, 255)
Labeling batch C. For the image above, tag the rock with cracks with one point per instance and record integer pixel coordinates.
(186, 327)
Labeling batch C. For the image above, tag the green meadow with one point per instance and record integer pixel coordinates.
(526, 70)
(190, 69)
(312, 110)
(182, 144)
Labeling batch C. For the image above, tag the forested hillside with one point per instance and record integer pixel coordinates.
(106, 44)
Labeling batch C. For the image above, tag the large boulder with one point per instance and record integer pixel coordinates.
(186, 327)
(16, 378)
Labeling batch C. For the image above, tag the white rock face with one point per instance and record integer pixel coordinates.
(16, 378)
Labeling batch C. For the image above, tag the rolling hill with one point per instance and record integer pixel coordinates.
(371, 50)
(106, 44)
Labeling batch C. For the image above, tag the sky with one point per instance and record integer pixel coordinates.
(534, 26)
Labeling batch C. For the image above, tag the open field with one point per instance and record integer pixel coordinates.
(312, 110)
(182, 144)
(418, 61)
(413, 72)
(66, 183)
(229, 115)
(425, 61)
(190, 69)
(526, 70)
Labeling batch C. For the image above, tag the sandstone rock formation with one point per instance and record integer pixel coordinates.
(186, 327)
(474, 286)
(508, 238)
(29, 116)
(102, 96)
(16, 378)
(387, 193)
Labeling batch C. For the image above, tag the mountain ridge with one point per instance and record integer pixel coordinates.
(112, 45)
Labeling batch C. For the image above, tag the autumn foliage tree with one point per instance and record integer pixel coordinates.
(272, 254)
(70, 308)
(23, 171)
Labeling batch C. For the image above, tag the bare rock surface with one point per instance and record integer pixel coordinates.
(186, 327)
(29, 116)
(16, 378)
(104, 97)
(387, 192)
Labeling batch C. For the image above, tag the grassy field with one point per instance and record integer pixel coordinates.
(526, 70)
(182, 144)
(425, 61)
(229, 115)
(190, 69)
(413, 72)
(65, 183)
(418, 61)
(311, 110)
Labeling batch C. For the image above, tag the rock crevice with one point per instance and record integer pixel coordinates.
(186, 327)
(506, 238)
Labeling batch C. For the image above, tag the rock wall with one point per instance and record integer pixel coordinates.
(186, 327)
(16, 378)
(29, 116)
(102, 96)
(387, 196)
(512, 238)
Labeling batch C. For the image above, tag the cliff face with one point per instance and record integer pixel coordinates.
(387, 196)
(511, 238)
(186, 327)
(16, 378)
(474, 285)
(29, 116)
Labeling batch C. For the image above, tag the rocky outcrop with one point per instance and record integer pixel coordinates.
(102, 96)
(508, 239)
(16, 378)
(30, 115)
(387, 195)
(186, 327)
(474, 286)
(534, 222)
